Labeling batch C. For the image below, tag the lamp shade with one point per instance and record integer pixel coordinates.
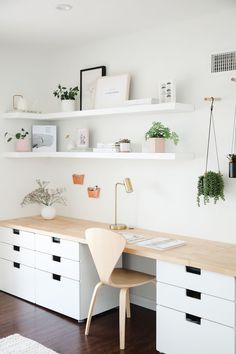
(128, 185)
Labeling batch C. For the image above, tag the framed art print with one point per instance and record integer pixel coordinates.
(112, 91)
(44, 138)
(88, 81)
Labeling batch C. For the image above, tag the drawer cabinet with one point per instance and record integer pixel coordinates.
(57, 293)
(17, 237)
(180, 333)
(17, 279)
(17, 254)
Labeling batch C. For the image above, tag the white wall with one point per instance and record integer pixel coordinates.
(164, 195)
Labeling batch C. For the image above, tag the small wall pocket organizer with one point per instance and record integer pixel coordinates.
(78, 179)
(94, 192)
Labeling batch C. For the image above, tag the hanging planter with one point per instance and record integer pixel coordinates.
(211, 184)
(232, 157)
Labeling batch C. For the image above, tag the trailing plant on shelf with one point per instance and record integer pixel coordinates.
(21, 135)
(232, 158)
(45, 196)
(66, 94)
(158, 130)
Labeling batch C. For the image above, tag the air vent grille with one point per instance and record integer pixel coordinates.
(223, 62)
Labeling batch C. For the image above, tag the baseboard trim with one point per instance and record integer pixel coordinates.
(143, 301)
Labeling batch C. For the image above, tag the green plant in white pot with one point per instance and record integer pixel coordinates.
(67, 97)
(23, 143)
(157, 135)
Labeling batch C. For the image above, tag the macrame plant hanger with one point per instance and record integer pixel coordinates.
(232, 155)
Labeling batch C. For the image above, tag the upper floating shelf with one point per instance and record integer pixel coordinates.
(151, 108)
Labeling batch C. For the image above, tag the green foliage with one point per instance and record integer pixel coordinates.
(210, 185)
(127, 141)
(22, 134)
(232, 157)
(66, 94)
(158, 130)
(44, 196)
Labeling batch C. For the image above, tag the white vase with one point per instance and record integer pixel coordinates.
(67, 105)
(48, 212)
(125, 147)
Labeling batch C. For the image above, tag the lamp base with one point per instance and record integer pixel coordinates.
(118, 227)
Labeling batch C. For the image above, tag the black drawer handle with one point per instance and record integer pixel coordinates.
(56, 277)
(56, 240)
(16, 232)
(193, 270)
(16, 248)
(16, 265)
(194, 294)
(56, 258)
(193, 319)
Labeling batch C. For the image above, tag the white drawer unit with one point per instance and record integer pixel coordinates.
(210, 283)
(183, 333)
(58, 265)
(17, 254)
(17, 237)
(17, 279)
(198, 304)
(58, 293)
(54, 245)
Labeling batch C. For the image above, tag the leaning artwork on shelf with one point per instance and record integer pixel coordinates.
(112, 91)
(88, 80)
(44, 138)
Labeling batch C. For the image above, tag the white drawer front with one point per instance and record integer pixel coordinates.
(60, 296)
(176, 335)
(206, 282)
(17, 281)
(56, 246)
(17, 237)
(17, 254)
(58, 265)
(202, 305)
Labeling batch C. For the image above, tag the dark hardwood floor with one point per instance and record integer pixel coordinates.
(66, 336)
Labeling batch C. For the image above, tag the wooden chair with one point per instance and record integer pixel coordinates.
(106, 248)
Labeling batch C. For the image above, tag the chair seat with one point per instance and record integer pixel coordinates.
(126, 278)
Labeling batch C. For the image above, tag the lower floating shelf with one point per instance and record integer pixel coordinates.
(95, 155)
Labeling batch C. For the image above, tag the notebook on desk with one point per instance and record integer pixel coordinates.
(158, 243)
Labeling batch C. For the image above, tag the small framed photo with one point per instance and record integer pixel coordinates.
(82, 141)
(112, 91)
(88, 81)
(167, 91)
(44, 138)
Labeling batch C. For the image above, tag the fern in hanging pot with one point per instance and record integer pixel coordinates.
(211, 184)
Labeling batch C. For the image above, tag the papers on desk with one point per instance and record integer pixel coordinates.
(157, 243)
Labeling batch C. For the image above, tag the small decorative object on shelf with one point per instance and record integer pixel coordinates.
(167, 91)
(232, 155)
(78, 179)
(94, 192)
(211, 184)
(44, 138)
(45, 197)
(124, 145)
(156, 136)
(67, 97)
(141, 101)
(88, 81)
(19, 103)
(107, 147)
(70, 143)
(22, 140)
(82, 141)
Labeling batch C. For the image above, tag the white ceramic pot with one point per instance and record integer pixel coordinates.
(23, 145)
(48, 212)
(157, 145)
(67, 105)
(125, 147)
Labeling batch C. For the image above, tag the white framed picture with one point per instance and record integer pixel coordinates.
(44, 138)
(112, 91)
(82, 140)
(167, 91)
(88, 80)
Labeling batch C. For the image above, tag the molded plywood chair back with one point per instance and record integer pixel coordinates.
(106, 248)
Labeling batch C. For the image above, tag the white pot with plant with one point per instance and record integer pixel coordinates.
(124, 145)
(157, 135)
(45, 197)
(67, 97)
(23, 143)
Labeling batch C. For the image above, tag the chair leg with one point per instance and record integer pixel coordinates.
(92, 303)
(122, 315)
(128, 313)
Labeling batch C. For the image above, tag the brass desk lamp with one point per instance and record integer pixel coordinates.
(129, 189)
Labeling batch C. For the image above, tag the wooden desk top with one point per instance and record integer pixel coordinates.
(209, 255)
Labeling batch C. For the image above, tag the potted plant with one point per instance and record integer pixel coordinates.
(124, 145)
(45, 197)
(157, 135)
(22, 140)
(232, 165)
(210, 185)
(67, 97)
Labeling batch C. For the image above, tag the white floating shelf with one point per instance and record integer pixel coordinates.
(151, 108)
(95, 155)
